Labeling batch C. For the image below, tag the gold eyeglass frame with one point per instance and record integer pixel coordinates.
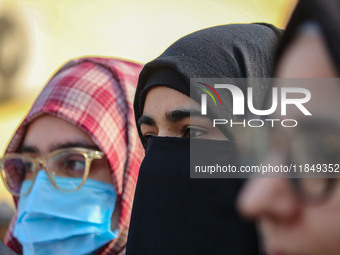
(88, 154)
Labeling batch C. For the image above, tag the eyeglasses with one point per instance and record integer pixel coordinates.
(67, 169)
(312, 148)
(316, 147)
(313, 190)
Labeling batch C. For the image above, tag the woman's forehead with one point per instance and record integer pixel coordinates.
(307, 56)
(163, 98)
(47, 131)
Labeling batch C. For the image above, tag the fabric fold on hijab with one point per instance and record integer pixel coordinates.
(326, 15)
(96, 94)
(228, 51)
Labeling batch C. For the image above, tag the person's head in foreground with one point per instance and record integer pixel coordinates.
(301, 216)
(172, 213)
(73, 163)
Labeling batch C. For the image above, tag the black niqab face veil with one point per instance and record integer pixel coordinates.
(172, 213)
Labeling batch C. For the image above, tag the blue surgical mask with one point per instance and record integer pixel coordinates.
(51, 221)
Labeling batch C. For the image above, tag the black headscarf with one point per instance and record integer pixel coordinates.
(228, 51)
(173, 213)
(326, 14)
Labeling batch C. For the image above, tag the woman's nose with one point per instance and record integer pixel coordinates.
(40, 164)
(269, 198)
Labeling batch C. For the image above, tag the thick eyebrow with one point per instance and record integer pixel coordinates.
(172, 116)
(34, 149)
(73, 144)
(29, 149)
(177, 115)
(146, 120)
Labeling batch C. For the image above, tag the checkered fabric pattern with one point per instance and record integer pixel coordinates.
(96, 94)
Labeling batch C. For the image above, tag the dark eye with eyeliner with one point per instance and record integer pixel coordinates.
(147, 137)
(193, 132)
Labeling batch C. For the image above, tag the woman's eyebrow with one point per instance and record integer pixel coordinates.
(146, 120)
(35, 150)
(178, 115)
(68, 145)
(29, 149)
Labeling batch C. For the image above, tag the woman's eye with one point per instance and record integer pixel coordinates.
(193, 132)
(73, 166)
(147, 137)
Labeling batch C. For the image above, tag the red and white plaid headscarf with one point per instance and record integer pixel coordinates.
(96, 95)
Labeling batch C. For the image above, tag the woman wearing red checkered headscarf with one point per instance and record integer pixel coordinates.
(72, 165)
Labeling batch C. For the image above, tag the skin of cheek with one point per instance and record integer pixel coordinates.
(324, 225)
(100, 171)
(315, 232)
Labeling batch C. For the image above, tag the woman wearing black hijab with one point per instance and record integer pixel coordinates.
(301, 216)
(173, 214)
